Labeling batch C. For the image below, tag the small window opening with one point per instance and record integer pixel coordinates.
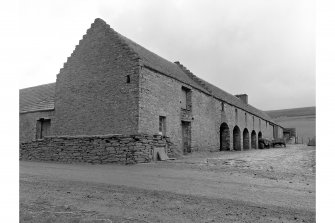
(186, 98)
(222, 106)
(128, 79)
(245, 118)
(162, 125)
(236, 115)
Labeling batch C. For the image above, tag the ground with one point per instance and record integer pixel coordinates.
(272, 185)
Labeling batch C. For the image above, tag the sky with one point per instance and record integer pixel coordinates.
(263, 48)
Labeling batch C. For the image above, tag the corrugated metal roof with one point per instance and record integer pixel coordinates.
(37, 98)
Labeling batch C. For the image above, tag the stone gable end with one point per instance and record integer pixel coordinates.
(97, 89)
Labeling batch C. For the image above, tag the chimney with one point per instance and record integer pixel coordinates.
(243, 97)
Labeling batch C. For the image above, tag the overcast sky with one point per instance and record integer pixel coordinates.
(264, 48)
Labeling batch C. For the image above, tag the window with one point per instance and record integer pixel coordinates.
(128, 79)
(253, 122)
(186, 98)
(222, 106)
(259, 124)
(245, 118)
(236, 115)
(162, 125)
(42, 128)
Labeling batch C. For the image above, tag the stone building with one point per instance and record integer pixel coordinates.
(111, 85)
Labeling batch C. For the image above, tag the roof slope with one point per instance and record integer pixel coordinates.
(176, 71)
(42, 97)
(37, 98)
(292, 112)
(160, 64)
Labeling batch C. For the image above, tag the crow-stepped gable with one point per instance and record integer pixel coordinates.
(111, 85)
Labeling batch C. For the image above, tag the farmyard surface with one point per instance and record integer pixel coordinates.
(275, 185)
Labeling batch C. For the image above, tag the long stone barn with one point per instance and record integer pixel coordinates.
(111, 87)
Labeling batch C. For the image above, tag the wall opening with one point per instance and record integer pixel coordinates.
(236, 115)
(245, 119)
(236, 138)
(42, 128)
(186, 100)
(128, 79)
(186, 136)
(253, 122)
(245, 139)
(253, 140)
(259, 136)
(162, 125)
(224, 137)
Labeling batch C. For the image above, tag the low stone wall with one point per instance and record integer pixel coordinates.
(96, 149)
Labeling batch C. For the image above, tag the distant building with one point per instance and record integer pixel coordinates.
(290, 135)
(303, 120)
(111, 85)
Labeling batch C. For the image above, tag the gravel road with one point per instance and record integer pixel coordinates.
(275, 185)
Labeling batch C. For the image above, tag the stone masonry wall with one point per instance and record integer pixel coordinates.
(125, 149)
(28, 123)
(93, 96)
(161, 96)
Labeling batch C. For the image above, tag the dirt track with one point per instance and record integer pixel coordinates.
(276, 185)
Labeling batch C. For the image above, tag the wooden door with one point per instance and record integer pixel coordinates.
(186, 137)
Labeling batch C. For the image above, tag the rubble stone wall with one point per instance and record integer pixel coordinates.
(124, 149)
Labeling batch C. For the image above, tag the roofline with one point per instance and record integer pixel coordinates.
(157, 71)
(40, 110)
(37, 86)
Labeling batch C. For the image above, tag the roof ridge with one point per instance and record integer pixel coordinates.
(194, 77)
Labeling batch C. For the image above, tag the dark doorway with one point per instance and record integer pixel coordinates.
(43, 128)
(246, 139)
(253, 140)
(237, 138)
(224, 137)
(186, 136)
(259, 136)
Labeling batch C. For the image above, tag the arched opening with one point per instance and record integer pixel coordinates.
(236, 138)
(246, 139)
(259, 136)
(224, 137)
(253, 140)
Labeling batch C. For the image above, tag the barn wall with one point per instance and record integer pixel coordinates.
(92, 93)
(28, 122)
(162, 96)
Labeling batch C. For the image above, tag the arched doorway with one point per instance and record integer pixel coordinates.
(224, 137)
(259, 136)
(245, 139)
(236, 138)
(253, 140)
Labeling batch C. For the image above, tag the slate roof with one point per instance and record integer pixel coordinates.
(38, 98)
(160, 64)
(223, 95)
(173, 70)
(42, 97)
